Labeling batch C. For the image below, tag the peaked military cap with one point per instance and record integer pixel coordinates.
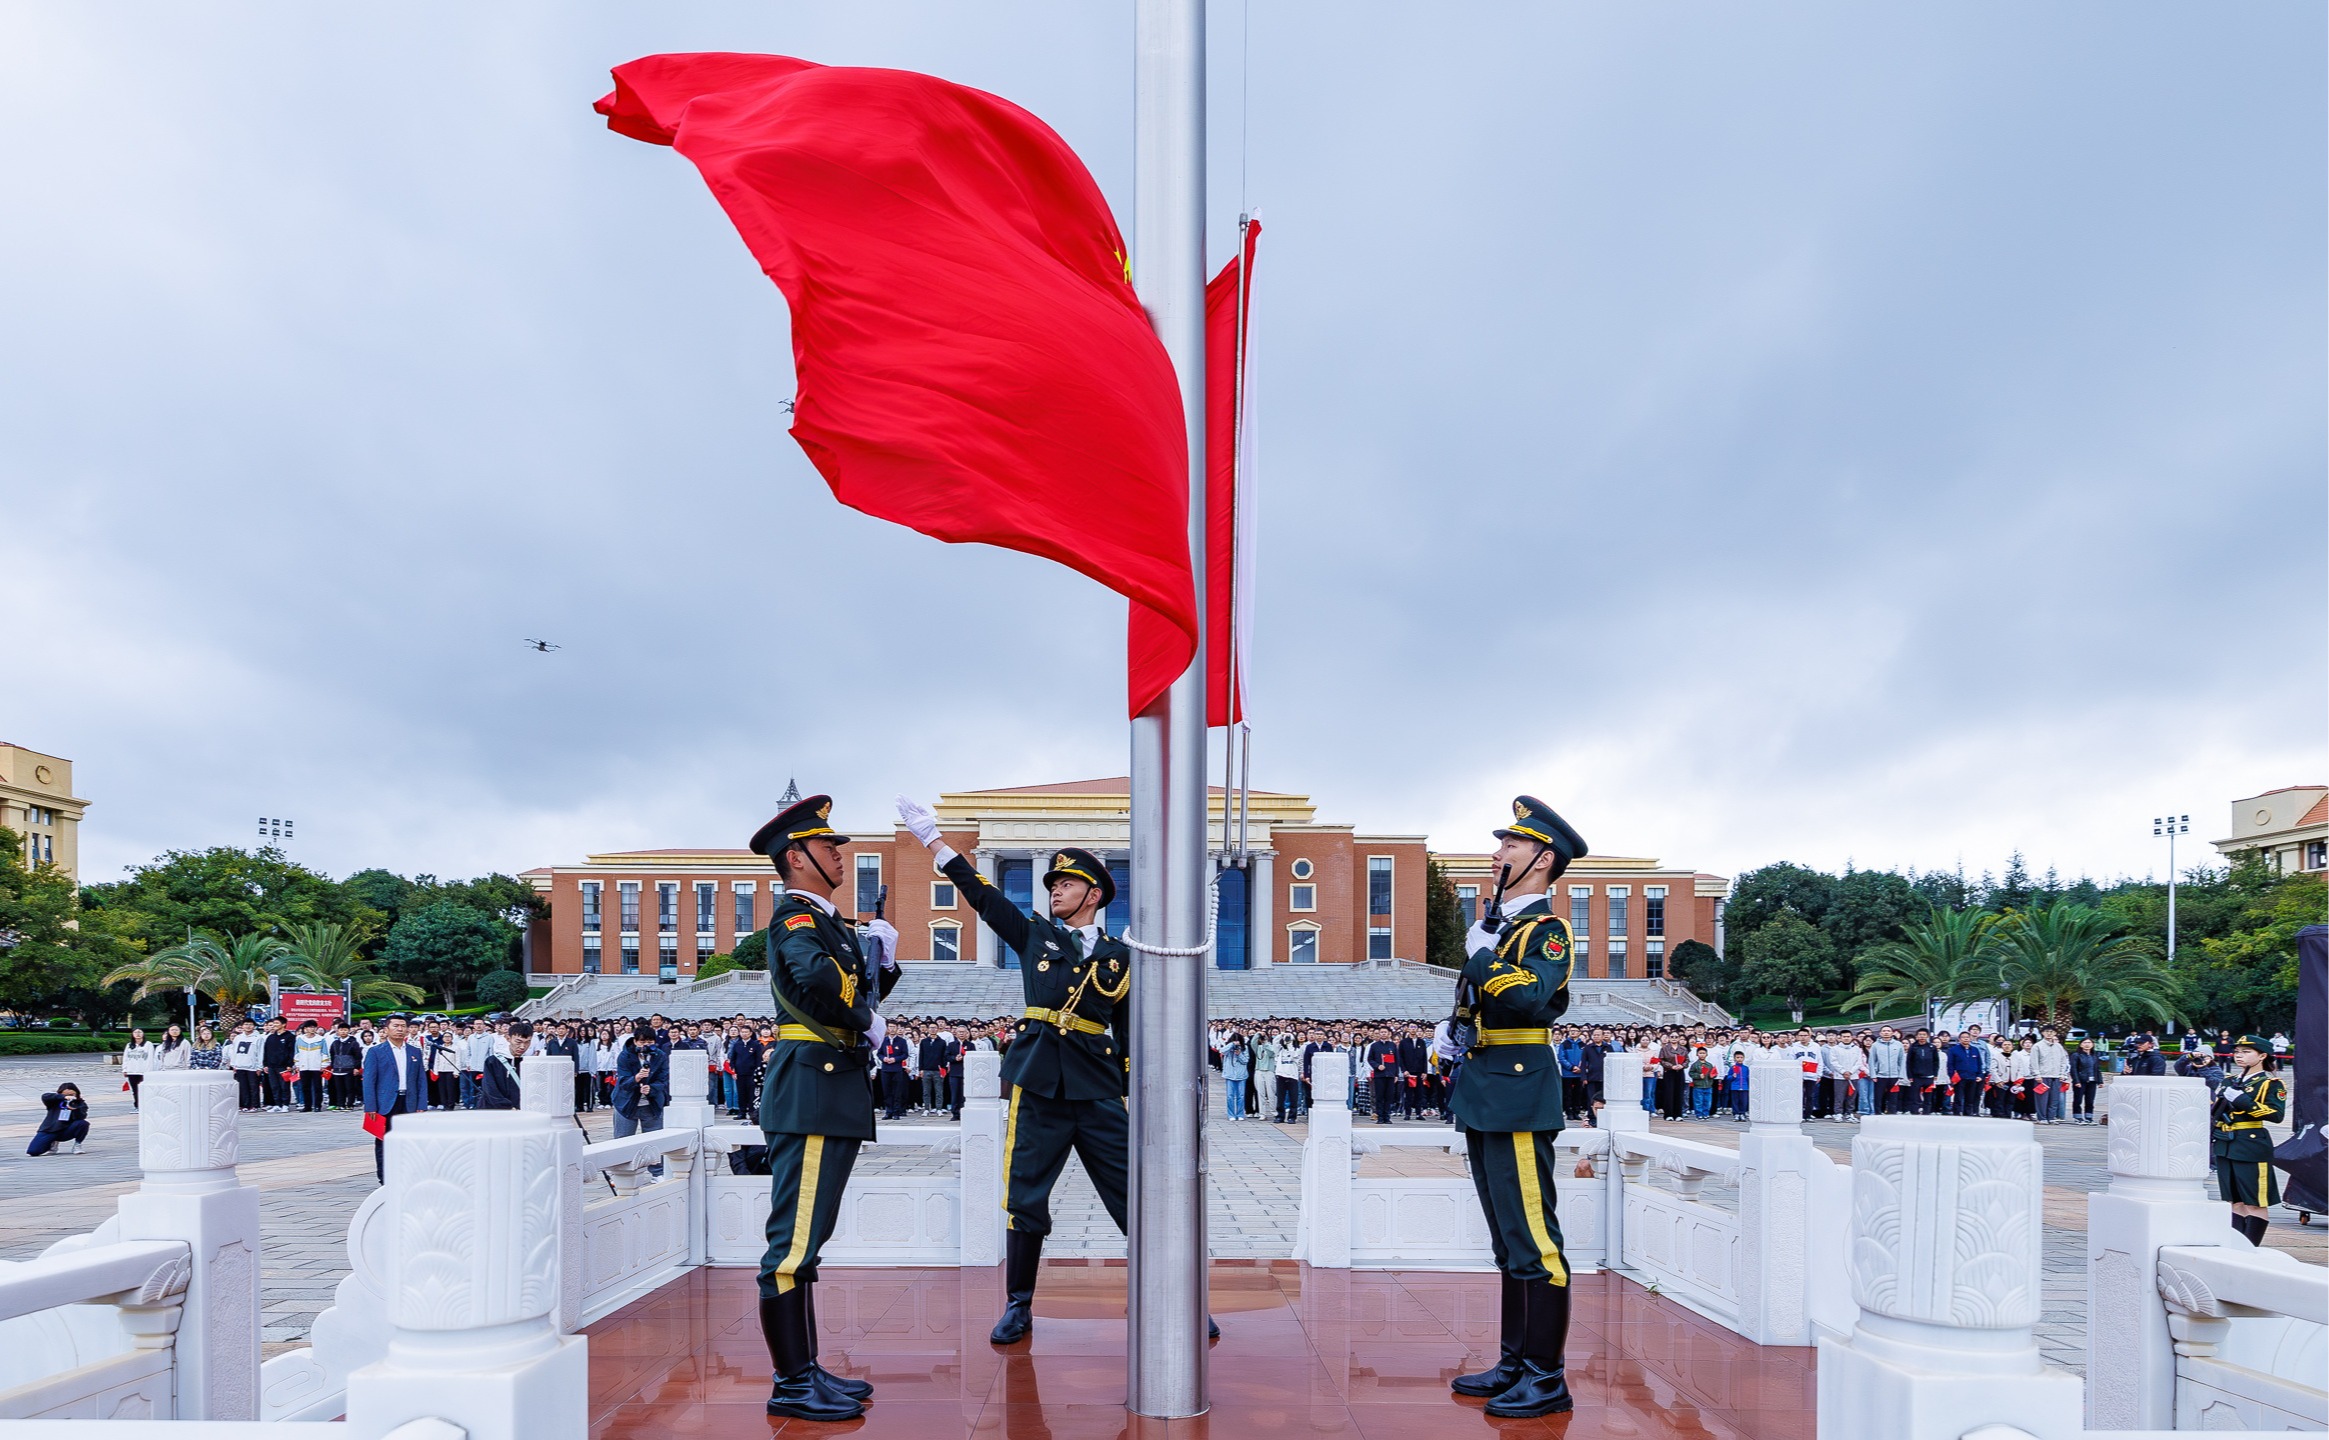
(1534, 819)
(804, 820)
(2257, 1043)
(1082, 865)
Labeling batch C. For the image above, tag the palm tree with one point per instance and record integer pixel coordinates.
(1948, 955)
(2066, 957)
(328, 956)
(233, 974)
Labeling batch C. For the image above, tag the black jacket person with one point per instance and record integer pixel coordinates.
(816, 1105)
(1507, 1101)
(1066, 1066)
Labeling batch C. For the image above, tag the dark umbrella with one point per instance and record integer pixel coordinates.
(2304, 1155)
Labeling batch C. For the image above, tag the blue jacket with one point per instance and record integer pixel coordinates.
(380, 1097)
(1572, 1056)
(1968, 1062)
(627, 1099)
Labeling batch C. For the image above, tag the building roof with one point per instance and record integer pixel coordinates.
(2318, 815)
(1108, 785)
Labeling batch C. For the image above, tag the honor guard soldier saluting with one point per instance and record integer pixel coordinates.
(1069, 1061)
(2250, 1098)
(1507, 1100)
(817, 1102)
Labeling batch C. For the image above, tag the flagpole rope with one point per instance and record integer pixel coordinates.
(1212, 924)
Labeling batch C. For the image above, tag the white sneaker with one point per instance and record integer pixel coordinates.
(76, 1146)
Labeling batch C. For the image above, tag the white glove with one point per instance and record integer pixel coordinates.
(918, 820)
(883, 937)
(876, 1031)
(1479, 938)
(2230, 1091)
(1443, 1047)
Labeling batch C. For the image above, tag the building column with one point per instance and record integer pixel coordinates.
(1261, 894)
(990, 951)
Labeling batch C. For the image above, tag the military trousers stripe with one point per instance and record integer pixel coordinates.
(806, 1175)
(1037, 1139)
(1512, 1171)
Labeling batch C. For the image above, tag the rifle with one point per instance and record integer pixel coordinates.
(1461, 1030)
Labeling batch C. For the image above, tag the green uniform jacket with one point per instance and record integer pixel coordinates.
(2239, 1123)
(1053, 969)
(1522, 984)
(813, 1088)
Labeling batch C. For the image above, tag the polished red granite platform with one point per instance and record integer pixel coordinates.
(1307, 1352)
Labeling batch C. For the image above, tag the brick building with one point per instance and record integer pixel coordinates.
(1627, 914)
(1308, 892)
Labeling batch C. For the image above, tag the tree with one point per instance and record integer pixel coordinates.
(446, 945)
(221, 891)
(1443, 919)
(1788, 955)
(1763, 894)
(2062, 957)
(502, 990)
(381, 890)
(233, 973)
(2246, 977)
(751, 953)
(328, 956)
(1696, 964)
(1946, 955)
(38, 956)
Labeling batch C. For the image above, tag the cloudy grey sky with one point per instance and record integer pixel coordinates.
(1818, 431)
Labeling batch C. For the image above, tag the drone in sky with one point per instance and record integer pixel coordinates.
(543, 645)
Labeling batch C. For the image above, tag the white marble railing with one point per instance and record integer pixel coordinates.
(1769, 1265)
(98, 1326)
(2248, 1326)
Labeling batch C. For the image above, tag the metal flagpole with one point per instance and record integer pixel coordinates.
(1170, 880)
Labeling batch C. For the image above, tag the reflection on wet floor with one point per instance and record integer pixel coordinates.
(1303, 1352)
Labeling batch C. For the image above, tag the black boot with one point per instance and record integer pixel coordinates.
(838, 1384)
(785, 1322)
(2253, 1226)
(1505, 1373)
(1212, 1328)
(1543, 1387)
(1023, 1253)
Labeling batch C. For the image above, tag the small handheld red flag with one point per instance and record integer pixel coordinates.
(375, 1124)
(972, 359)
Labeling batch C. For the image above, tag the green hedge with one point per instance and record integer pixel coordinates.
(33, 1042)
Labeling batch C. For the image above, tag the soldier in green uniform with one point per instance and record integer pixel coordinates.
(2250, 1098)
(816, 1104)
(1507, 1101)
(1069, 1059)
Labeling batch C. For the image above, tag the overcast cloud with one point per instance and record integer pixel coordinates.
(1811, 431)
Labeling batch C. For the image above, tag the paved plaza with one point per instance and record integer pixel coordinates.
(312, 1171)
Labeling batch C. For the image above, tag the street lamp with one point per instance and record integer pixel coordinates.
(2171, 826)
(275, 829)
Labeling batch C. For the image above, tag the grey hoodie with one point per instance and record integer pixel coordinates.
(1888, 1060)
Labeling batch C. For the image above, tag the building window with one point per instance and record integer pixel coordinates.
(2317, 854)
(667, 904)
(746, 890)
(1616, 960)
(630, 954)
(627, 891)
(942, 894)
(868, 884)
(1301, 898)
(1303, 869)
(590, 906)
(1378, 942)
(1378, 884)
(946, 942)
(1468, 904)
(706, 902)
(667, 956)
(1302, 944)
(590, 955)
(1654, 959)
(1617, 903)
(1580, 912)
(1654, 912)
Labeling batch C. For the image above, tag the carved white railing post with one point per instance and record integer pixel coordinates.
(691, 1109)
(1621, 1092)
(1947, 1217)
(1776, 1161)
(546, 1088)
(1322, 1234)
(2158, 1159)
(187, 1144)
(982, 1158)
(472, 1271)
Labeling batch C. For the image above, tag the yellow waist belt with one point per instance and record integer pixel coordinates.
(803, 1032)
(2242, 1125)
(1065, 1020)
(1514, 1037)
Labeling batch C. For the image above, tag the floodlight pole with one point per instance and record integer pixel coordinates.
(1165, 1357)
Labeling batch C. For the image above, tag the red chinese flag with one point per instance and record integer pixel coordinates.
(972, 359)
(1226, 605)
